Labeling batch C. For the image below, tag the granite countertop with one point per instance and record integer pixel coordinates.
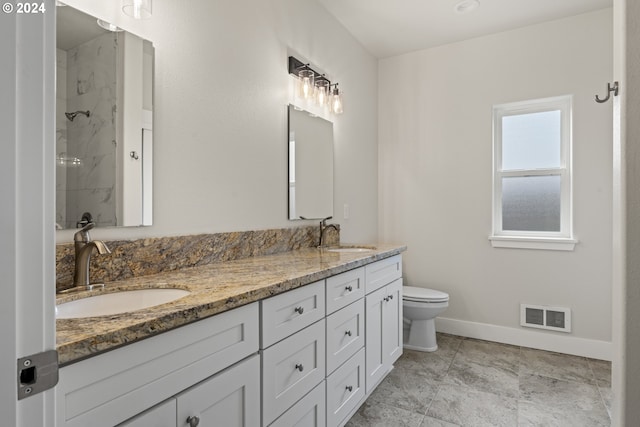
(214, 288)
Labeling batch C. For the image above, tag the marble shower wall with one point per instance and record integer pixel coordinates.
(132, 258)
(91, 85)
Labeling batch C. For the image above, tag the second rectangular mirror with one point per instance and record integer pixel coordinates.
(310, 165)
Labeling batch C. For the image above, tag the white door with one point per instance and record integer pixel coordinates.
(27, 188)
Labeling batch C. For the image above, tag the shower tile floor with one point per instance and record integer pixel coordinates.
(469, 382)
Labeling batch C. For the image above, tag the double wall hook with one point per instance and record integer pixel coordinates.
(610, 89)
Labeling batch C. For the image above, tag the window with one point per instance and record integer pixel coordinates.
(532, 174)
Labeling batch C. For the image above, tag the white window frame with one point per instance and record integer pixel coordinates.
(563, 239)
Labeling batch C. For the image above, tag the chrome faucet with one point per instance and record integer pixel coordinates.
(84, 246)
(323, 228)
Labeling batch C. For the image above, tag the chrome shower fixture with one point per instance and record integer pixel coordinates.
(73, 115)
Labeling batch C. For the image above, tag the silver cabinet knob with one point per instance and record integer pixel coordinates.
(348, 333)
(299, 367)
(349, 288)
(299, 310)
(349, 388)
(193, 421)
(391, 296)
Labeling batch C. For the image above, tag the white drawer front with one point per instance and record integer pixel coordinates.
(344, 288)
(310, 411)
(345, 334)
(345, 389)
(287, 313)
(291, 368)
(112, 387)
(382, 272)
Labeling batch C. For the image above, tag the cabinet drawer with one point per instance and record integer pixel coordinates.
(345, 334)
(310, 411)
(345, 389)
(382, 272)
(291, 368)
(344, 288)
(287, 313)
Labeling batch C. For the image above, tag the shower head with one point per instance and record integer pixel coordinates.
(73, 115)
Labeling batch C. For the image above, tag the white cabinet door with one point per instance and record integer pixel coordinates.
(230, 398)
(162, 415)
(375, 368)
(392, 323)
(383, 331)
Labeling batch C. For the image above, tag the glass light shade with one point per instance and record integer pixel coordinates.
(322, 92)
(336, 101)
(137, 9)
(307, 83)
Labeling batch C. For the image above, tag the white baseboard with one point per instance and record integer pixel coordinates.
(551, 341)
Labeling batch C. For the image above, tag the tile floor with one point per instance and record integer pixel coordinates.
(469, 382)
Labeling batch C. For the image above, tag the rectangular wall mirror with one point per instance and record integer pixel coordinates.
(310, 165)
(104, 123)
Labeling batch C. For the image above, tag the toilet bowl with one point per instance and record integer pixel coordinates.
(420, 308)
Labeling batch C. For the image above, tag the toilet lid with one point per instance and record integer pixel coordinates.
(413, 293)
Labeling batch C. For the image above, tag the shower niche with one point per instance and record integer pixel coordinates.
(104, 124)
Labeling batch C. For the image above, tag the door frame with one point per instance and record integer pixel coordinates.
(27, 219)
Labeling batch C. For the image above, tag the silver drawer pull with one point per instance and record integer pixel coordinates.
(349, 388)
(299, 367)
(348, 288)
(299, 310)
(348, 333)
(391, 296)
(193, 421)
(386, 299)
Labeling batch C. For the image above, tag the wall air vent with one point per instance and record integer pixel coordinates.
(544, 317)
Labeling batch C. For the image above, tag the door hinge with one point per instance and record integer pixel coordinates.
(37, 373)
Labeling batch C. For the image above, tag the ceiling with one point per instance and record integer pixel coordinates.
(392, 27)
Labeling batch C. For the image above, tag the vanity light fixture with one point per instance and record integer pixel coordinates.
(137, 9)
(315, 87)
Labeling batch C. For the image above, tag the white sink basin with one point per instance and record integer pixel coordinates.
(350, 250)
(117, 302)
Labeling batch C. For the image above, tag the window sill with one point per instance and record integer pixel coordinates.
(547, 243)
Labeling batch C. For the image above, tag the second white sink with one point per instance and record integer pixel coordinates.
(350, 249)
(117, 302)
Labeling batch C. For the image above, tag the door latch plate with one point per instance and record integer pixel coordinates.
(37, 373)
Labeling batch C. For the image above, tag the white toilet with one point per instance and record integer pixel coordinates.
(420, 307)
